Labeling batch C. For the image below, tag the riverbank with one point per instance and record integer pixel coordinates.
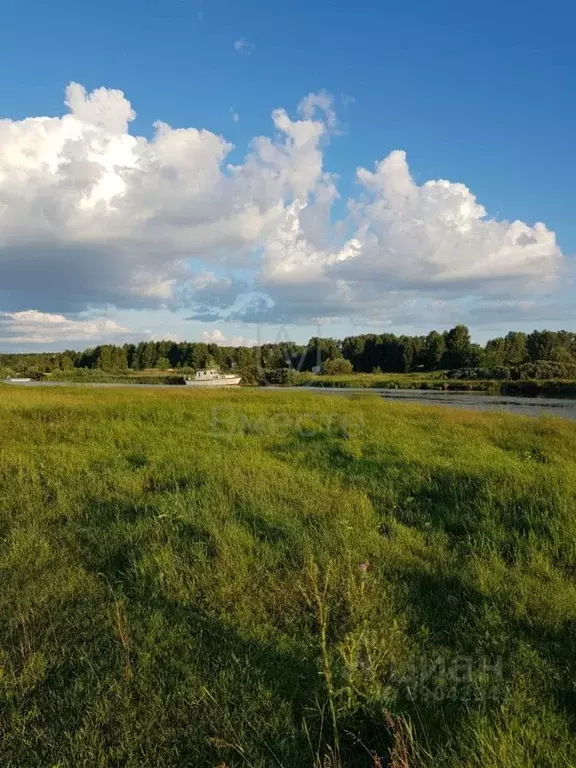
(528, 387)
(272, 578)
(474, 401)
(437, 381)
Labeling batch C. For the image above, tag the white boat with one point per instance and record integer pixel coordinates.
(212, 378)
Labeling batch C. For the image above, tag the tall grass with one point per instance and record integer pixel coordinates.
(258, 578)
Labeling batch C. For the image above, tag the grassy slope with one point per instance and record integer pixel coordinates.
(182, 583)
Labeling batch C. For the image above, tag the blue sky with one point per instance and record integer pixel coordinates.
(481, 94)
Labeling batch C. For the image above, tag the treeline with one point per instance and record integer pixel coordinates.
(385, 353)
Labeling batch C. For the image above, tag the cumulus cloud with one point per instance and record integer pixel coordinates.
(217, 337)
(32, 327)
(438, 234)
(92, 216)
(410, 243)
(323, 103)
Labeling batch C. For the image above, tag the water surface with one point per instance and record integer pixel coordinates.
(475, 401)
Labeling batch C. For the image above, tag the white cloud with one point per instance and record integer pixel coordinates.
(217, 337)
(243, 46)
(32, 327)
(234, 115)
(438, 234)
(323, 103)
(104, 107)
(410, 242)
(92, 217)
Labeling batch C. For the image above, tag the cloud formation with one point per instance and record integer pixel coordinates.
(427, 242)
(217, 337)
(92, 216)
(319, 103)
(32, 327)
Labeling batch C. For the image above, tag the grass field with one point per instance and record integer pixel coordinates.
(258, 578)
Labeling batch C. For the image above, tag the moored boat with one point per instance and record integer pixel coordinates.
(212, 378)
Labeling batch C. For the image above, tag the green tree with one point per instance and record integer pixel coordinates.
(541, 345)
(516, 351)
(458, 349)
(475, 356)
(353, 350)
(66, 361)
(119, 359)
(434, 349)
(495, 352)
(163, 363)
(319, 350)
(147, 355)
(337, 367)
(103, 355)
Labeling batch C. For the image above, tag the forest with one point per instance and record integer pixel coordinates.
(366, 353)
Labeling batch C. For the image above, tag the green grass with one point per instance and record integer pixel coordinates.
(255, 578)
(87, 376)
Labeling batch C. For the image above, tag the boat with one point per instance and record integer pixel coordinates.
(211, 377)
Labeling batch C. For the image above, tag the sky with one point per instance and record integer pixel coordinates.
(255, 170)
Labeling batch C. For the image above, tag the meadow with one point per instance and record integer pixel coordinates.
(265, 578)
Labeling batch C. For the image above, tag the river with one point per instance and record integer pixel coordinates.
(475, 401)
